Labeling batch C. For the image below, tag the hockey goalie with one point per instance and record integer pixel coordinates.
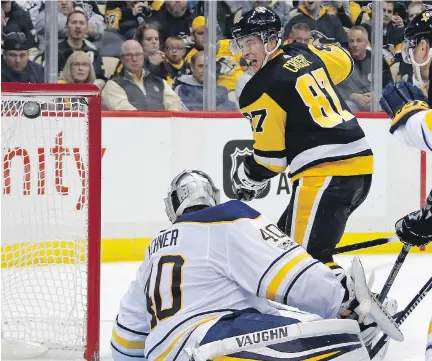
(215, 286)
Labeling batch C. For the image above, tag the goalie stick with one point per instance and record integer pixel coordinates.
(403, 315)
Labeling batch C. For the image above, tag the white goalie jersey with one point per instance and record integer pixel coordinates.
(417, 131)
(211, 263)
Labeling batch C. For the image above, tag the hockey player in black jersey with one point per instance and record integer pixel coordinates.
(299, 121)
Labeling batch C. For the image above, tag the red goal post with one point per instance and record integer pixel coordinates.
(51, 235)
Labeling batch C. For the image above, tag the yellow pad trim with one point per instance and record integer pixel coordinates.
(322, 357)
(315, 358)
(163, 356)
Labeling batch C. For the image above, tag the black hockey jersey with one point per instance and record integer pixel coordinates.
(298, 118)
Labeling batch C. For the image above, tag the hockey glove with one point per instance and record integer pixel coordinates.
(366, 306)
(414, 232)
(245, 187)
(401, 101)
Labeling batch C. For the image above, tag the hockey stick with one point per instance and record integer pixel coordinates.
(358, 246)
(404, 252)
(394, 272)
(403, 315)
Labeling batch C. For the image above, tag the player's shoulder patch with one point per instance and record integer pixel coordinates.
(227, 212)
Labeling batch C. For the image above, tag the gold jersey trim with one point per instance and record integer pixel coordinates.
(347, 167)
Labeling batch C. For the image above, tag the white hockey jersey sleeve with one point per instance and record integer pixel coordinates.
(417, 131)
(131, 328)
(266, 262)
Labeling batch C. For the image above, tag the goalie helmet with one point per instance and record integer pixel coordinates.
(261, 22)
(190, 188)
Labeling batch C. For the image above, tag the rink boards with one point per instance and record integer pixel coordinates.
(143, 151)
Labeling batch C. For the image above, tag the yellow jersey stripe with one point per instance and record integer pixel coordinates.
(279, 277)
(353, 166)
(428, 120)
(308, 192)
(338, 62)
(133, 345)
(163, 356)
(430, 327)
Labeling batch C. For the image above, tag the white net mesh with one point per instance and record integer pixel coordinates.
(44, 221)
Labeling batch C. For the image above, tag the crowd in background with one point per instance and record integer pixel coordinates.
(148, 55)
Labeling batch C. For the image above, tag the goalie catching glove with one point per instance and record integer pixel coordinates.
(401, 101)
(366, 307)
(245, 187)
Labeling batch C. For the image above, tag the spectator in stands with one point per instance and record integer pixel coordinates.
(356, 90)
(341, 9)
(18, 20)
(136, 88)
(76, 24)
(126, 16)
(191, 91)
(228, 68)
(16, 67)
(173, 18)
(3, 22)
(316, 17)
(415, 8)
(198, 30)
(393, 32)
(175, 50)
(32, 7)
(78, 69)
(95, 21)
(301, 33)
(148, 36)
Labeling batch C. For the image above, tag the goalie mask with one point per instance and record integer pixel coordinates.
(260, 22)
(419, 28)
(190, 188)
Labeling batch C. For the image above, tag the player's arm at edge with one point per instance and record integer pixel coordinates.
(337, 60)
(417, 131)
(410, 113)
(130, 328)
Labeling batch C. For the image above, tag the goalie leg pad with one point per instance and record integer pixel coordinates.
(429, 343)
(261, 336)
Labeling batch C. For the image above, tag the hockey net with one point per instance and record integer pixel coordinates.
(51, 151)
